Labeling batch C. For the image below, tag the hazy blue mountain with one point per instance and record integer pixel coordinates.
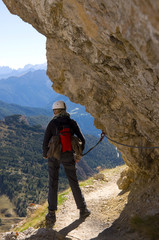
(32, 89)
(42, 116)
(6, 71)
(7, 109)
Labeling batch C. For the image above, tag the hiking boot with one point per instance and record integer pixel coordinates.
(50, 219)
(84, 213)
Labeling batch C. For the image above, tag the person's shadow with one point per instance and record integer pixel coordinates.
(51, 234)
(71, 227)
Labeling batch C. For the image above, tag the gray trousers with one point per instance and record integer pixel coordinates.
(68, 162)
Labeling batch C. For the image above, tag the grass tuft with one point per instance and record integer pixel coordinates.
(87, 182)
(37, 219)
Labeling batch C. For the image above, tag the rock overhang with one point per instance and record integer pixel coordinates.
(104, 55)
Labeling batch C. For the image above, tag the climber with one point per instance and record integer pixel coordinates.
(62, 124)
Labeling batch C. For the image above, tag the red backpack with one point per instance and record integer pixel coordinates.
(63, 141)
(65, 137)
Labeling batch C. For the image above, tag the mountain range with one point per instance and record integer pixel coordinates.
(42, 116)
(32, 89)
(6, 71)
(31, 94)
(23, 172)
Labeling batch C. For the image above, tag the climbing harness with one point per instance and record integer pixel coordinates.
(125, 145)
(101, 138)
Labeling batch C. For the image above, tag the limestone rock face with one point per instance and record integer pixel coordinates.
(104, 54)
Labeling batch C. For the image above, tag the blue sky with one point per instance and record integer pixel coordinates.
(20, 43)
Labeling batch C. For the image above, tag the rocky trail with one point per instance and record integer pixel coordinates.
(104, 201)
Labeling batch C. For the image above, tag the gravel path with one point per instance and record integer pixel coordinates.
(103, 201)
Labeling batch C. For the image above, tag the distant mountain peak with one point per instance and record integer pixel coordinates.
(6, 71)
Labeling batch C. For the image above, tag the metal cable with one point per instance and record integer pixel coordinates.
(122, 144)
(125, 145)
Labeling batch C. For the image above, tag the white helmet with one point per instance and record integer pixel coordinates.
(59, 105)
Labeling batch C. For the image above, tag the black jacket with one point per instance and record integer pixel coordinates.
(52, 130)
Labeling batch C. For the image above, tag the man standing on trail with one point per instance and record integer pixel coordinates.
(62, 125)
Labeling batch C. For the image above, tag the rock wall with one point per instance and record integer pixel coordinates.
(104, 54)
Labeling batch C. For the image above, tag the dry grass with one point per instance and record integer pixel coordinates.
(37, 219)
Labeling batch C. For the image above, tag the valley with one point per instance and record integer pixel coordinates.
(23, 173)
(8, 215)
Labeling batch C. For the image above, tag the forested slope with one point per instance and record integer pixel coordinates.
(23, 174)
